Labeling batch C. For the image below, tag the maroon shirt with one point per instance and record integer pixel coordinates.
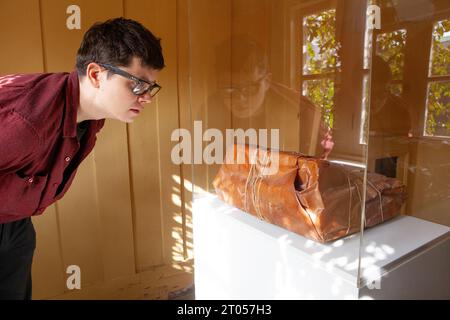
(39, 148)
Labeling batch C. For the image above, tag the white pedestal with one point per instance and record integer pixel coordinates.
(238, 256)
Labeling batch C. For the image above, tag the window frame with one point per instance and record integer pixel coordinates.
(300, 16)
(432, 79)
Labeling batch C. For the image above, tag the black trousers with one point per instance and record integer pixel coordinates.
(17, 244)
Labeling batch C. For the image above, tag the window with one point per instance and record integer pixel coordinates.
(437, 116)
(321, 61)
(391, 48)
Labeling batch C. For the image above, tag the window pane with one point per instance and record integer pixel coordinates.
(320, 48)
(391, 47)
(440, 56)
(321, 93)
(438, 109)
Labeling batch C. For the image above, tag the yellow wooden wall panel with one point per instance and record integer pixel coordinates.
(114, 200)
(60, 43)
(185, 120)
(209, 68)
(144, 164)
(282, 107)
(20, 37)
(80, 225)
(168, 118)
(158, 214)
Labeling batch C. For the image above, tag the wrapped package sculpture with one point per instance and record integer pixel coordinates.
(312, 197)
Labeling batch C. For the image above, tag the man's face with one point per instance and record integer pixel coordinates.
(246, 96)
(116, 98)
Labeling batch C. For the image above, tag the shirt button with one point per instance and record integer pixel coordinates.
(30, 180)
(67, 159)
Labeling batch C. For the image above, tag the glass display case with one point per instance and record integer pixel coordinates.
(360, 86)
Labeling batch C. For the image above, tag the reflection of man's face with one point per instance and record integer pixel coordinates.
(246, 95)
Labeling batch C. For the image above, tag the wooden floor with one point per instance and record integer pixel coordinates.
(186, 294)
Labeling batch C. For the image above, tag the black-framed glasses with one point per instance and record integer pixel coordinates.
(141, 86)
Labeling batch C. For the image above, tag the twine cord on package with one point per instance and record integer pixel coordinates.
(379, 197)
(254, 178)
(379, 193)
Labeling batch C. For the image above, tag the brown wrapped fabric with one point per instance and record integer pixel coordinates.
(312, 197)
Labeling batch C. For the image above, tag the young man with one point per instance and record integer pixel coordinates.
(48, 125)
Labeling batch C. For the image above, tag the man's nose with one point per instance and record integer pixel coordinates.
(145, 98)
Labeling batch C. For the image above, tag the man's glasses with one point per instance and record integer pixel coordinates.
(250, 88)
(141, 86)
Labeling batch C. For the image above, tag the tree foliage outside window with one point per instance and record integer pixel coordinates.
(438, 115)
(438, 102)
(320, 43)
(391, 47)
(321, 58)
(321, 92)
(440, 57)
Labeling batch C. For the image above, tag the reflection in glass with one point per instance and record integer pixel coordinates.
(438, 109)
(438, 99)
(321, 64)
(389, 112)
(367, 97)
(321, 93)
(321, 47)
(364, 127)
(391, 47)
(440, 56)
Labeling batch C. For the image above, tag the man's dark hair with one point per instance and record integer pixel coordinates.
(116, 42)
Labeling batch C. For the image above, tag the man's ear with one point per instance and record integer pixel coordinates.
(93, 72)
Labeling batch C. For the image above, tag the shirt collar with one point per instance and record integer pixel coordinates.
(71, 107)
